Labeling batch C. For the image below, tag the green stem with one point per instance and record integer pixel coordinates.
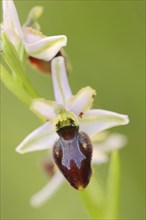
(14, 86)
(14, 63)
(94, 199)
(112, 205)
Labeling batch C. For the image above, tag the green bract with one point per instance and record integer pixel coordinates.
(15, 79)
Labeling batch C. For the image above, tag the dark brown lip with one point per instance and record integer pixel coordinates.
(72, 154)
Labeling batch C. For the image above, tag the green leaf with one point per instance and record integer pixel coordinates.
(112, 199)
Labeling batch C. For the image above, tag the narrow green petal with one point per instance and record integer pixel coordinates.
(33, 16)
(82, 101)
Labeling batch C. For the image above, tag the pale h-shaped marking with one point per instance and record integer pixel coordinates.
(71, 151)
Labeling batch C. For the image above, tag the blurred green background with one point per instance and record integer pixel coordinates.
(106, 49)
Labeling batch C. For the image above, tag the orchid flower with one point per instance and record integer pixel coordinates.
(70, 128)
(102, 145)
(91, 121)
(28, 36)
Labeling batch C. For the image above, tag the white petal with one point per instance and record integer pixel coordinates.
(42, 47)
(32, 35)
(48, 191)
(43, 108)
(82, 101)
(61, 86)
(11, 23)
(100, 137)
(97, 120)
(99, 157)
(112, 142)
(40, 139)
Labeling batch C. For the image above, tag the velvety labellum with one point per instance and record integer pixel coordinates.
(72, 154)
(45, 66)
(42, 65)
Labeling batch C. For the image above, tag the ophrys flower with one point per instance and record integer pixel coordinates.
(72, 123)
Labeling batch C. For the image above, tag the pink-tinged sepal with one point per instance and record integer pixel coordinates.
(73, 156)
